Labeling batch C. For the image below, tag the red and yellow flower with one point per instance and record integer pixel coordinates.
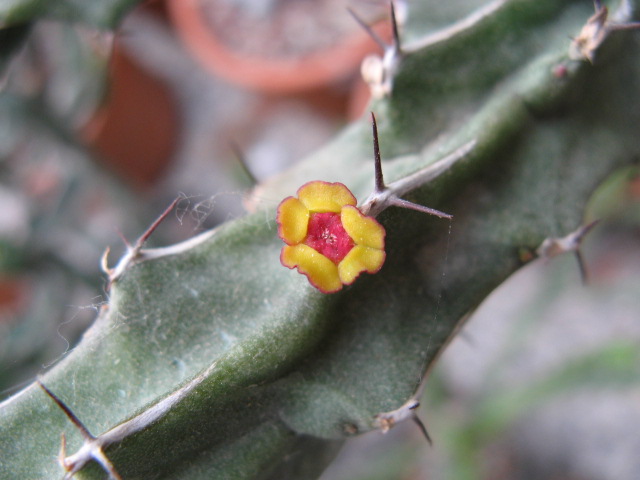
(327, 238)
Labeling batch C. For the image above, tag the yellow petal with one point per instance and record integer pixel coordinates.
(321, 272)
(363, 230)
(321, 196)
(358, 260)
(293, 219)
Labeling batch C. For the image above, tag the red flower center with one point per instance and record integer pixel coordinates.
(326, 235)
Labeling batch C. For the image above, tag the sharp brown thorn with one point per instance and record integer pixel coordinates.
(70, 415)
(624, 26)
(399, 202)
(152, 228)
(423, 429)
(587, 228)
(379, 179)
(370, 31)
(394, 26)
(582, 266)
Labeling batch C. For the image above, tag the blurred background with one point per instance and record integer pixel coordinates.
(99, 132)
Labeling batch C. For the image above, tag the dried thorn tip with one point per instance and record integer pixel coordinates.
(423, 429)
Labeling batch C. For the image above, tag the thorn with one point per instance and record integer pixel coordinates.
(583, 231)
(102, 459)
(376, 38)
(379, 179)
(552, 247)
(394, 25)
(104, 266)
(62, 454)
(123, 238)
(399, 202)
(70, 415)
(423, 429)
(104, 261)
(625, 26)
(384, 196)
(152, 228)
(385, 421)
(242, 160)
(378, 71)
(92, 444)
(419, 422)
(582, 266)
(591, 36)
(133, 251)
(594, 32)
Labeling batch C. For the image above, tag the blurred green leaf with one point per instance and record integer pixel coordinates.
(105, 14)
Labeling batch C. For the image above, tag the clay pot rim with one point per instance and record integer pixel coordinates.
(272, 75)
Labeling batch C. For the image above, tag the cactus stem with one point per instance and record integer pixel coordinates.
(93, 447)
(384, 196)
(455, 28)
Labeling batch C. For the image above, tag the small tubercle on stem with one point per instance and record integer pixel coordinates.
(571, 243)
(133, 251)
(594, 32)
(387, 420)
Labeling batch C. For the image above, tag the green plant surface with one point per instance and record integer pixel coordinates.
(105, 14)
(244, 367)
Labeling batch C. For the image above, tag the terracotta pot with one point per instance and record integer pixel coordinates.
(274, 72)
(135, 130)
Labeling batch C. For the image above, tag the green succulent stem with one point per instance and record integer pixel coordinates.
(211, 360)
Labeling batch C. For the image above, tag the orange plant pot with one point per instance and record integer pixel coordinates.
(135, 130)
(276, 73)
